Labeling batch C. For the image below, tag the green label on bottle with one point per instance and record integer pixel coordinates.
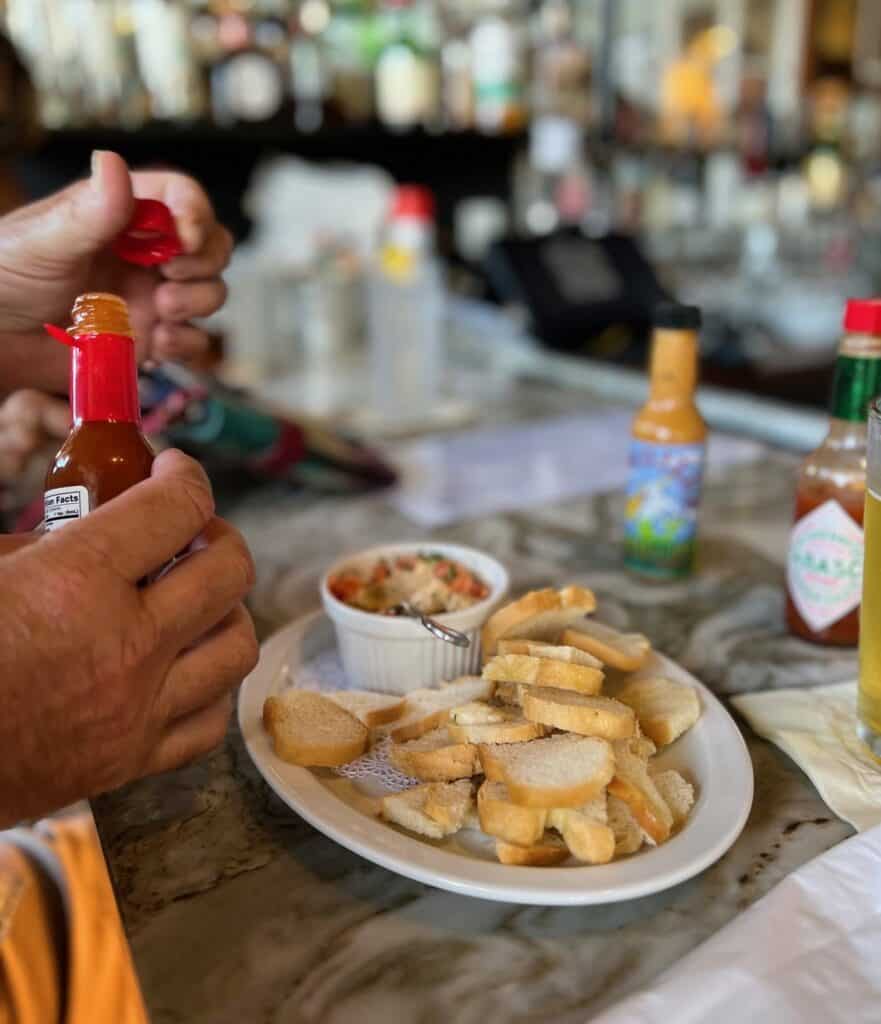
(857, 382)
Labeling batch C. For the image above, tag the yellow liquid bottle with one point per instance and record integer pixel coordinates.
(869, 708)
(667, 454)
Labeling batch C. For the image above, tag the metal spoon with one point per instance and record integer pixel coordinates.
(437, 629)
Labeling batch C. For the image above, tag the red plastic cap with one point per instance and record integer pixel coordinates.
(413, 201)
(150, 237)
(863, 316)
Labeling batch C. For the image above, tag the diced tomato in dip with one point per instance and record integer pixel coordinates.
(429, 582)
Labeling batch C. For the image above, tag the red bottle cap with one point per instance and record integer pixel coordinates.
(150, 237)
(103, 376)
(863, 316)
(413, 201)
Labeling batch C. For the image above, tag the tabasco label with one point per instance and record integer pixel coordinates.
(825, 566)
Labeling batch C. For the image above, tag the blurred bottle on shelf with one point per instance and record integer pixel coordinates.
(407, 73)
(309, 72)
(561, 67)
(405, 302)
(160, 34)
(499, 68)
(249, 82)
(457, 95)
(351, 46)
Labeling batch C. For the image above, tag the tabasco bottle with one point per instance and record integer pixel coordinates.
(667, 453)
(825, 563)
(105, 452)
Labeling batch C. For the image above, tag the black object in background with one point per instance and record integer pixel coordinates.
(592, 296)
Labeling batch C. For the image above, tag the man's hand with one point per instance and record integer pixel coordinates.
(55, 249)
(103, 681)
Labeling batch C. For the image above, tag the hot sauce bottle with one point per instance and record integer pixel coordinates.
(825, 563)
(106, 451)
(667, 454)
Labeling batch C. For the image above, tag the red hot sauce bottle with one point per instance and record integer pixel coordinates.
(106, 451)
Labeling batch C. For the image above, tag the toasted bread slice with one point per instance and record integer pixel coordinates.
(538, 615)
(409, 808)
(449, 804)
(371, 708)
(308, 729)
(555, 652)
(548, 851)
(628, 834)
(625, 651)
(665, 709)
(576, 712)
(428, 709)
(558, 771)
(638, 744)
(503, 819)
(507, 726)
(633, 784)
(585, 831)
(529, 671)
(435, 757)
(677, 793)
(479, 712)
(508, 693)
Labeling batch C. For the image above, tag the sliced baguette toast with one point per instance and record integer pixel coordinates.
(624, 651)
(499, 817)
(435, 757)
(555, 652)
(310, 730)
(578, 713)
(530, 671)
(450, 805)
(628, 834)
(585, 831)
(633, 784)
(558, 771)
(373, 709)
(507, 726)
(665, 709)
(409, 808)
(677, 793)
(538, 615)
(428, 709)
(508, 693)
(548, 851)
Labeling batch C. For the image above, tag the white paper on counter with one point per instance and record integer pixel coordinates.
(478, 472)
(817, 727)
(807, 953)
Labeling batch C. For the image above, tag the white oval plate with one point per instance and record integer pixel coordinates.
(712, 755)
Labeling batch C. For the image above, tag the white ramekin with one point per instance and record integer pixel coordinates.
(396, 655)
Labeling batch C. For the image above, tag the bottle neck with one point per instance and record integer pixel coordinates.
(857, 378)
(674, 364)
(104, 379)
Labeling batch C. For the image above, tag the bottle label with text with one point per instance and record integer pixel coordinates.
(825, 566)
(64, 504)
(662, 501)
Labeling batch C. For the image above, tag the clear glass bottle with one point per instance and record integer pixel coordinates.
(824, 566)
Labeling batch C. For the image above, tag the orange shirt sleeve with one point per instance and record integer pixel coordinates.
(78, 971)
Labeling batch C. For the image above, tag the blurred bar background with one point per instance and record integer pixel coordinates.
(587, 157)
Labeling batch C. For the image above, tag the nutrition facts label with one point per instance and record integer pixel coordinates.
(63, 504)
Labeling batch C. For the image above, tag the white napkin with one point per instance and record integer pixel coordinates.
(807, 953)
(817, 728)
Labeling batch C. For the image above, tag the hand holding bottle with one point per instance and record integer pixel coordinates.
(52, 250)
(106, 680)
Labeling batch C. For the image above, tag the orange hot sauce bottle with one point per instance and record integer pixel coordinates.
(106, 451)
(825, 562)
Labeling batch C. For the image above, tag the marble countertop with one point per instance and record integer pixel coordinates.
(238, 911)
